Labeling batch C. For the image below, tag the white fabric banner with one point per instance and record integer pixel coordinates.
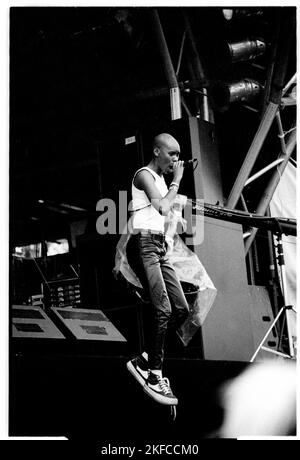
(283, 204)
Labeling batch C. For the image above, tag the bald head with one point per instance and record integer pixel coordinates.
(165, 152)
(167, 141)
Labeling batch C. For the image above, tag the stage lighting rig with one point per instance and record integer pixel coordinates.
(242, 50)
(241, 59)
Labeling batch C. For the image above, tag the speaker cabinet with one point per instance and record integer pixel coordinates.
(207, 176)
(227, 329)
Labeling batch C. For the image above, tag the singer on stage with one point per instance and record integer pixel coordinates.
(146, 253)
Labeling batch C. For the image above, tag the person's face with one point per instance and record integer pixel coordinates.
(167, 156)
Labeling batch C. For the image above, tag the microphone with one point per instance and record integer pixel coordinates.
(189, 162)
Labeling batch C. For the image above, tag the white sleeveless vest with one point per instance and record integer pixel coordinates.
(145, 216)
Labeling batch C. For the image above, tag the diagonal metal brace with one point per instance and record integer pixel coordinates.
(252, 154)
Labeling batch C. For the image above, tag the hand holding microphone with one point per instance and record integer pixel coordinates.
(179, 165)
(178, 168)
(189, 162)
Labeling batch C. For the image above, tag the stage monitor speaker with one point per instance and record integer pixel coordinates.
(32, 323)
(85, 324)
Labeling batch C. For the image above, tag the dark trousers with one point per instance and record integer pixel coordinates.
(146, 255)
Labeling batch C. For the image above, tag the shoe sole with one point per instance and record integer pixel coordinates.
(145, 355)
(135, 373)
(160, 399)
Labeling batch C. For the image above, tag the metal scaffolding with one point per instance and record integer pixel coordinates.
(174, 89)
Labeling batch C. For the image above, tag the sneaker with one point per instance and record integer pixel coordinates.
(138, 367)
(159, 389)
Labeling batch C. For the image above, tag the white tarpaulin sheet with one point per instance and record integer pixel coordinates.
(283, 204)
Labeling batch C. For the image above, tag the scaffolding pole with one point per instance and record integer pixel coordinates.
(274, 181)
(198, 68)
(252, 155)
(180, 54)
(263, 171)
(281, 133)
(168, 66)
(291, 82)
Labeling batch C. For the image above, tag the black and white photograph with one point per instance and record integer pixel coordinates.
(152, 225)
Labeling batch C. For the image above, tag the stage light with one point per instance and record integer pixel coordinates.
(246, 50)
(227, 13)
(223, 94)
(231, 52)
(237, 13)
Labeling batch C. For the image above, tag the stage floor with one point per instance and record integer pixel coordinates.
(95, 397)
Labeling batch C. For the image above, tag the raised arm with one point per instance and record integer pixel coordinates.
(145, 181)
